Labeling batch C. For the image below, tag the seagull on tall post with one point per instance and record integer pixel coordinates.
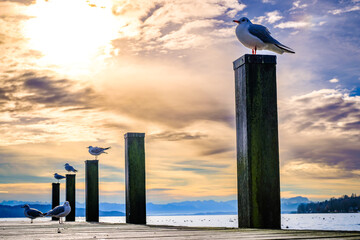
(59, 211)
(96, 151)
(257, 37)
(58, 176)
(69, 168)
(31, 213)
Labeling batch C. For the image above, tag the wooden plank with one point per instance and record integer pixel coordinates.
(43, 229)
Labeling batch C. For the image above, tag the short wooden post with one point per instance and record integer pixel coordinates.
(70, 196)
(257, 142)
(92, 190)
(55, 197)
(135, 178)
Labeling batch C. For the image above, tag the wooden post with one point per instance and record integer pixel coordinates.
(92, 190)
(135, 178)
(55, 198)
(70, 196)
(257, 142)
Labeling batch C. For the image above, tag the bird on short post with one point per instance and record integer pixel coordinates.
(69, 168)
(31, 213)
(58, 176)
(96, 151)
(59, 211)
(257, 37)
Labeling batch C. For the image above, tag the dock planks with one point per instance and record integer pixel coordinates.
(83, 230)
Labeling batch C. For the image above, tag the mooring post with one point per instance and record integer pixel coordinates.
(135, 178)
(55, 198)
(92, 190)
(257, 142)
(70, 196)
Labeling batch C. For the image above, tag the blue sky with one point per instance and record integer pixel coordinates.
(80, 73)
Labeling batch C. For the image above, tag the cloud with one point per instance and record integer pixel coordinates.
(175, 136)
(270, 17)
(345, 10)
(334, 80)
(298, 5)
(326, 126)
(293, 24)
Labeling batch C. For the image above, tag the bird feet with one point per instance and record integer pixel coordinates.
(253, 51)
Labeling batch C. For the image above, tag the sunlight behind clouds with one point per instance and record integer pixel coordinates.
(73, 35)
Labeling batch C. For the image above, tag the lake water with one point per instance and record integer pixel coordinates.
(338, 221)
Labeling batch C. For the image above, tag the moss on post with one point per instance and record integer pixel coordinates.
(257, 142)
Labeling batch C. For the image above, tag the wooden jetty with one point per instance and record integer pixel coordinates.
(84, 230)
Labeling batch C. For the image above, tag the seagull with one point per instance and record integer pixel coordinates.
(59, 211)
(58, 176)
(97, 150)
(69, 168)
(257, 37)
(31, 213)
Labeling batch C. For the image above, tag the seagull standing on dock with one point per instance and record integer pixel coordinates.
(59, 211)
(96, 151)
(58, 176)
(69, 168)
(257, 37)
(31, 213)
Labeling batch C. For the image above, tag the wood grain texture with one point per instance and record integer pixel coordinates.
(55, 198)
(257, 142)
(135, 178)
(21, 230)
(70, 196)
(92, 190)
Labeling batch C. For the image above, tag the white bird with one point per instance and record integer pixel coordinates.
(96, 151)
(257, 37)
(59, 211)
(32, 213)
(58, 176)
(69, 168)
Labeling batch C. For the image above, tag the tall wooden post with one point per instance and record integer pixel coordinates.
(135, 178)
(92, 190)
(70, 196)
(257, 142)
(55, 198)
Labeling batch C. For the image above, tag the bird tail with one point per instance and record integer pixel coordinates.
(284, 48)
(107, 148)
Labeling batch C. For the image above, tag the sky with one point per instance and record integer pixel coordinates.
(76, 73)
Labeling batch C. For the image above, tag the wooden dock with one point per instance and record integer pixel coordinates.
(82, 230)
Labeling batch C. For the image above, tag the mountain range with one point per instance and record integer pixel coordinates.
(13, 208)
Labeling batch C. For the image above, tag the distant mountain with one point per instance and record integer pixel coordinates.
(290, 205)
(208, 207)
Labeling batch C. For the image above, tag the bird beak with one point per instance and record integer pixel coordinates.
(236, 21)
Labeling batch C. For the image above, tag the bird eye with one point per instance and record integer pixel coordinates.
(243, 20)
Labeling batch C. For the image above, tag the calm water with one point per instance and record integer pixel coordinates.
(339, 221)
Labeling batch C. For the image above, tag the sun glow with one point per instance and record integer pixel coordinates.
(73, 35)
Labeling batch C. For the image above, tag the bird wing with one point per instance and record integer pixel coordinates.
(56, 211)
(262, 33)
(34, 213)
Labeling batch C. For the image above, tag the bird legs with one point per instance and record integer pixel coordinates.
(32, 220)
(60, 222)
(253, 51)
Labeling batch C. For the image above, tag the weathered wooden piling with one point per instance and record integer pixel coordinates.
(70, 196)
(55, 198)
(135, 178)
(257, 142)
(92, 190)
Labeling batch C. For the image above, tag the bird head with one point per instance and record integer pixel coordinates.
(89, 147)
(55, 174)
(243, 20)
(66, 203)
(25, 206)
(66, 164)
